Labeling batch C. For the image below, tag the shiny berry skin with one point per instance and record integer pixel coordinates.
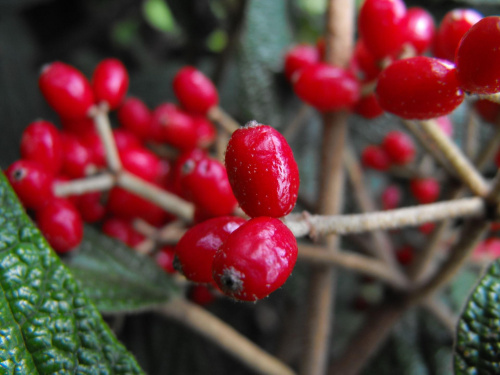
(92, 141)
(256, 259)
(368, 107)
(425, 190)
(61, 224)
(135, 116)
(110, 82)
(195, 91)
(31, 182)
(165, 258)
(375, 157)
(122, 230)
(399, 147)
(125, 139)
(66, 90)
(41, 142)
(326, 87)
(298, 57)
(391, 197)
(419, 88)
(178, 167)
(205, 183)
(197, 247)
(419, 29)
(91, 207)
(141, 162)
(174, 126)
(205, 131)
(262, 171)
(77, 159)
(452, 28)
(478, 57)
(363, 62)
(381, 25)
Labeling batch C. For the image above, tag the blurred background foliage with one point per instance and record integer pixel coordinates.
(240, 45)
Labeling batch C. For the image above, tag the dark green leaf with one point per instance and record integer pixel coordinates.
(47, 325)
(115, 277)
(478, 336)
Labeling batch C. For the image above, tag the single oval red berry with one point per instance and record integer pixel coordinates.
(141, 162)
(172, 125)
(298, 57)
(66, 90)
(135, 116)
(381, 25)
(91, 207)
(195, 91)
(41, 142)
(478, 57)
(425, 190)
(419, 29)
(122, 230)
(363, 62)
(368, 107)
(61, 224)
(110, 82)
(327, 87)
(399, 147)
(256, 259)
(419, 88)
(31, 182)
(262, 171)
(196, 249)
(77, 160)
(375, 157)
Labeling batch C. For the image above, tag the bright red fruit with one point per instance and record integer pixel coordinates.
(425, 190)
(488, 110)
(78, 126)
(165, 258)
(77, 159)
(196, 249)
(419, 88)
(110, 82)
(399, 147)
(201, 294)
(125, 139)
(375, 157)
(381, 25)
(205, 131)
(122, 230)
(61, 224)
(195, 91)
(368, 107)
(31, 182)
(364, 63)
(41, 142)
(488, 249)
(66, 90)
(256, 259)
(141, 162)
(262, 171)
(298, 57)
(452, 28)
(95, 147)
(91, 207)
(327, 87)
(135, 116)
(478, 57)
(205, 183)
(419, 28)
(427, 228)
(391, 197)
(172, 125)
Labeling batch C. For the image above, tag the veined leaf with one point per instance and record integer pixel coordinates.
(478, 336)
(47, 324)
(115, 277)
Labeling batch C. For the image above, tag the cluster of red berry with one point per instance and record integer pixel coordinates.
(247, 264)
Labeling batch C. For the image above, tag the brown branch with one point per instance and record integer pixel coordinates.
(222, 119)
(103, 127)
(101, 182)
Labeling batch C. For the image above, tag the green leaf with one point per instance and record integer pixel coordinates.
(47, 325)
(158, 15)
(116, 278)
(478, 336)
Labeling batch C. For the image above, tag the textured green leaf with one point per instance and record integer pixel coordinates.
(115, 277)
(47, 325)
(477, 348)
(260, 56)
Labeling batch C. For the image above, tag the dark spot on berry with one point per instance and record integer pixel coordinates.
(19, 174)
(188, 166)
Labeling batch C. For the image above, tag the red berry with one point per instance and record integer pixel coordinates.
(122, 230)
(478, 57)
(174, 126)
(196, 249)
(205, 183)
(298, 57)
(125, 139)
(425, 190)
(205, 131)
(177, 170)
(141, 162)
(61, 224)
(201, 294)
(375, 157)
(391, 197)
(419, 88)
(327, 87)
(419, 28)
(165, 258)
(364, 63)
(427, 228)
(489, 249)
(405, 255)
(76, 157)
(381, 25)
(78, 126)
(110, 82)
(262, 171)
(454, 25)
(488, 110)
(31, 182)
(95, 147)
(135, 116)
(256, 259)
(91, 207)
(66, 90)
(41, 142)
(368, 107)
(399, 147)
(195, 91)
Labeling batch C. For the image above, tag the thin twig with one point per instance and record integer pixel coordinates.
(103, 127)
(101, 182)
(471, 140)
(221, 118)
(168, 201)
(223, 335)
(298, 121)
(390, 219)
(489, 150)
